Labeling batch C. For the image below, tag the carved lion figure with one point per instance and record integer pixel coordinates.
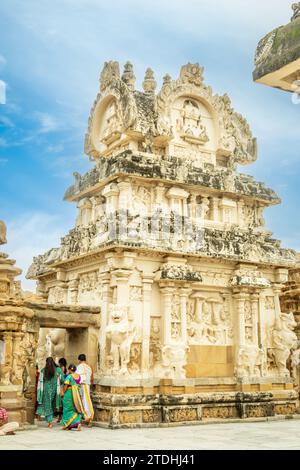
(284, 340)
(121, 333)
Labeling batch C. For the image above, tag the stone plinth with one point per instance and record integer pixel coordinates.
(174, 402)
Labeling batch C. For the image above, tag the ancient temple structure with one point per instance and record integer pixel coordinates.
(19, 330)
(23, 321)
(277, 60)
(170, 241)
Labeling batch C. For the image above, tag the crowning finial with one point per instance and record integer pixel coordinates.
(192, 73)
(128, 75)
(2, 233)
(167, 79)
(149, 83)
(296, 9)
(109, 74)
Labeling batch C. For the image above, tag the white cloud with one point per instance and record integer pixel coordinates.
(3, 161)
(6, 122)
(3, 142)
(30, 235)
(3, 61)
(2, 92)
(47, 123)
(55, 148)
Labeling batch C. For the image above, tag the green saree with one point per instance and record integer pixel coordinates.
(72, 404)
(48, 394)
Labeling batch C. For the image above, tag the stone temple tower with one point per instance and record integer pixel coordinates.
(171, 242)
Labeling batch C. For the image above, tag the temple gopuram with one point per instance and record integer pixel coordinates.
(170, 242)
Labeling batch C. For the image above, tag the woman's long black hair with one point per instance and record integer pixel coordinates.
(50, 368)
(63, 364)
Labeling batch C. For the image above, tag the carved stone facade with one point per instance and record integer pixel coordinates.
(277, 59)
(18, 342)
(170, 241)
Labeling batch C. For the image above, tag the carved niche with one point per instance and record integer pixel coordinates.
(88, 288)
(209, 320)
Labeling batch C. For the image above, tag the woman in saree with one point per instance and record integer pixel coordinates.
(73, 408)
(50, 382)
(63, 365)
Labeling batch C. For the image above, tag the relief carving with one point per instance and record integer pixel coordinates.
(121, 332)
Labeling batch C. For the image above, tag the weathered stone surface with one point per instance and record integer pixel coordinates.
(277, 60)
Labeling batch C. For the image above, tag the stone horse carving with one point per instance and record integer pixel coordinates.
(2, 233)
(284, 340)
(121, 334)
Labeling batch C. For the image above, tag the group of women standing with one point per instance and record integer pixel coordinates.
(59, 393)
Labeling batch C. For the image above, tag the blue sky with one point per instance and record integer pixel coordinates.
(51, 53)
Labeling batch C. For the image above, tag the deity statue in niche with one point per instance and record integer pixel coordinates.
(190, 126)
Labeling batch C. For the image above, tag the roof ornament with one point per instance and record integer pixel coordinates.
(128, 76)
(296, 10)
(110, 73)
(149, 83)
(192, 73)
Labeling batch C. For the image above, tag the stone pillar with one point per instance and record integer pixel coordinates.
(111, 192)
(255, 319)
(277, 291)
(73, 291)
(184, 294)
(240, 213)
(159, 193)
(147, 290)
(261, 323)
(167, 295)
(125, 196)
(6, 367)
(215, 209)
(106, 300)
(193, 208)
(122, 280)
(240, 298)
(18, 361)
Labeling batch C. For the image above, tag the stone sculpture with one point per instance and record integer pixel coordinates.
(284, 340)
(121, 334)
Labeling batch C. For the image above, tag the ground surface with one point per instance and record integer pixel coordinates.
(260, 435)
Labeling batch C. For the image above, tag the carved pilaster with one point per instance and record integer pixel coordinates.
(255, 318)
(184, 295)
(125, 196)
(240, 299)
(215, 209)
(147, 291)
(167, 295)
(106, 300)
